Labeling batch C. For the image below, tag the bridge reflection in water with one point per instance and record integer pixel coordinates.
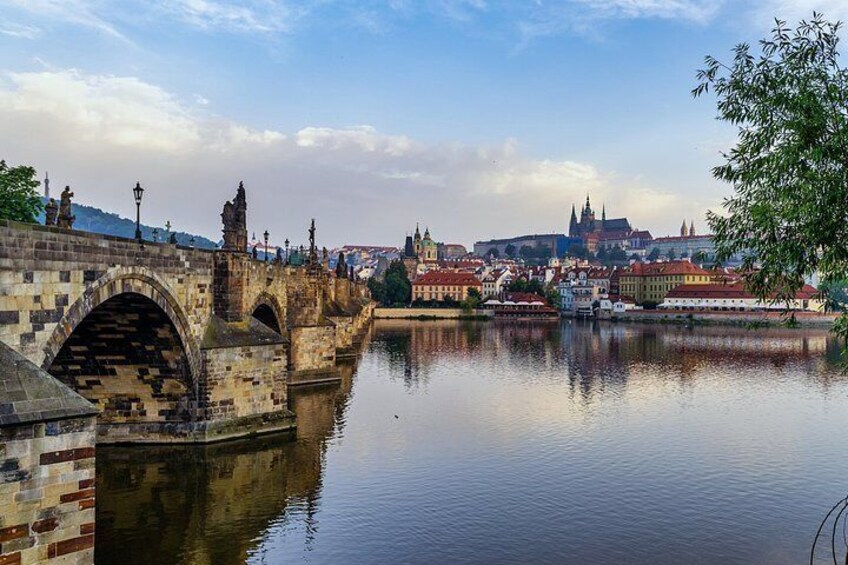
(211, 504)
(467, 439)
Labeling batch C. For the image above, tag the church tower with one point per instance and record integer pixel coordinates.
(683, 229)
(692, 229)
(573, 227)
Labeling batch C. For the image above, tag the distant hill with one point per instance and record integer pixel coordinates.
(91, 219)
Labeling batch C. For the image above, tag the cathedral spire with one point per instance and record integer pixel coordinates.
(683, 229)
(692, 229)
(572, 225)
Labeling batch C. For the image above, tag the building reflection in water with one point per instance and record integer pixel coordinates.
(223, 503)
(601, 355)
(212, 504)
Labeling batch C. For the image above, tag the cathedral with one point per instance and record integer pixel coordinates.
(589, 228)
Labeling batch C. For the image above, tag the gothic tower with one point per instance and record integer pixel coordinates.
(573, 227)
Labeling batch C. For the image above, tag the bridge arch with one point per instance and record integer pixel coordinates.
(128, 321)
(266, 308)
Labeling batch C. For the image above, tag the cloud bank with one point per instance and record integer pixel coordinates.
(101, 134)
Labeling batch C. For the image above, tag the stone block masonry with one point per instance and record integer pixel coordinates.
(47, 473)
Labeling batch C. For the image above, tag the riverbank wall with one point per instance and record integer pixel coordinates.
(806, 319)
(430, 314)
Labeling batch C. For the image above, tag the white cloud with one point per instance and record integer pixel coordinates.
(20, 30)
(88, 13)
(765, 11)
(102, 133)
(249, 16)
(692, 10)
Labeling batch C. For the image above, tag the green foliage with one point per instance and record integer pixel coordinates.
(788, 169)
(378, 290)
(672, 254)
(19, 198)
(654, 254)
(494, 252)
(522, 285)
(578, 251)
(536, 255)
(472, 301)
(510, 250)
(398, 289)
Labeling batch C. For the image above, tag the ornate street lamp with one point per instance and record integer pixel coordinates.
(155, 235)
(266, 234)
(138, 192)
(287, 251)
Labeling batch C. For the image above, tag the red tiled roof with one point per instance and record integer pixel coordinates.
(734, 291)
(524, 297)
(447, 278)
(640, 269)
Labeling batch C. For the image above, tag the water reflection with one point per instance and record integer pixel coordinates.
(466, 442)
(212, 504)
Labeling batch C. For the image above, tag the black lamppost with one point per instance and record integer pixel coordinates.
(138, 192)
(287, 251)
(266, 234)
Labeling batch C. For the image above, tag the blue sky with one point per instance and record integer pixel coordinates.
(475, 117)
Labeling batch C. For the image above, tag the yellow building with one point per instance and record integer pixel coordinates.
(650, 282)
(436, 285)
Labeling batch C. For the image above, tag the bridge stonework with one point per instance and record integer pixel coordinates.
(173, 343)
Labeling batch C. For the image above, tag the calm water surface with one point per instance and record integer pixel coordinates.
(456, 442)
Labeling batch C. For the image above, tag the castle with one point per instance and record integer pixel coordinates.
(592, 231)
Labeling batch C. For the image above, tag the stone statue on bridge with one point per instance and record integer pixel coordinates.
(313, 252)
(234, 218)
(51, 212)
(341, 266)
(66, 218)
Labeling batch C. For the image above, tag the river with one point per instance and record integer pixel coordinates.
(491, 442)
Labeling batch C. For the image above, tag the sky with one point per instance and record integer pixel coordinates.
(475, 118)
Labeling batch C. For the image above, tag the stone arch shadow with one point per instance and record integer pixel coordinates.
(117, 282)
(267, 309)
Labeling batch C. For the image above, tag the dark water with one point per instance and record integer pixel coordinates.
(460, 442)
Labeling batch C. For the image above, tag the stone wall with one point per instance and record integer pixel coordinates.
(47, 491)
(412, 313)
(344, 332)
(244, 381)
(313, 348)
(51, 279)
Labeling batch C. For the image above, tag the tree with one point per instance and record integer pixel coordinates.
(19, 199)
(672, 255)
(699, 256)
(654, 254)
(494, 252)
(396, 290)
(601, 254)
(577, 251)
(788, 168)
(617, 255)
(378, 290)
(471, 301)
(509, 250)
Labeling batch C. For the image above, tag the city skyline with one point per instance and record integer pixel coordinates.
(479, 120)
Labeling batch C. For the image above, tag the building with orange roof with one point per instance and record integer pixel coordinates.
(735, 297)
(651, 282)
(436, 285)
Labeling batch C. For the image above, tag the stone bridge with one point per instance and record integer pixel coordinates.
(173, 343)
